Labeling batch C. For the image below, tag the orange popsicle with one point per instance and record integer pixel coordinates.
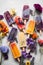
(31, 26)
(15, 51)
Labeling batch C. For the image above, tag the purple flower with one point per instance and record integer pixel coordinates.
(1, 17)
(30, 41)
(4, 51)
(31, 44)
(29, 55)
(38, 8)
(24, 54)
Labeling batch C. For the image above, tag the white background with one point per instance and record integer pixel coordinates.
(18, 5)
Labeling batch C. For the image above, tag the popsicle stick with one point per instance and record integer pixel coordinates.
(13, 25)
(18, 60)
(40, 32)
(25, 22)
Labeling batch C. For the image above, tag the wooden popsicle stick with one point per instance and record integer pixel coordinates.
(18, 60)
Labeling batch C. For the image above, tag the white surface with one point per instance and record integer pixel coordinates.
(18, 5)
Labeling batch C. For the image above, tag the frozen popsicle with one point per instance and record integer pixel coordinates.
(3, 28)
(31, 27)
(19, 22)
(22, 39)
(8, 18)
(26, 12)
(12, 35)
(15, 50)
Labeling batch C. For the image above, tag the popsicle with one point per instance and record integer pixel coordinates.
(12, 35)
(22, 39)
(3, 28)
(26, 12)
(19, 22)
(8, 18)
(31, 27)
(15, 50)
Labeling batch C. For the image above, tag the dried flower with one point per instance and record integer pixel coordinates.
(38, 8)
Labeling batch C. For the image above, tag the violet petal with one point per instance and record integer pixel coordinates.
(38, 8)
(1, 17)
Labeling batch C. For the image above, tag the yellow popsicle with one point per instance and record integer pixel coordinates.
(22, 39)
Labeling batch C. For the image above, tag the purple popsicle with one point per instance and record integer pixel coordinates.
(8, 18)
(26, 12)
(12, 35)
